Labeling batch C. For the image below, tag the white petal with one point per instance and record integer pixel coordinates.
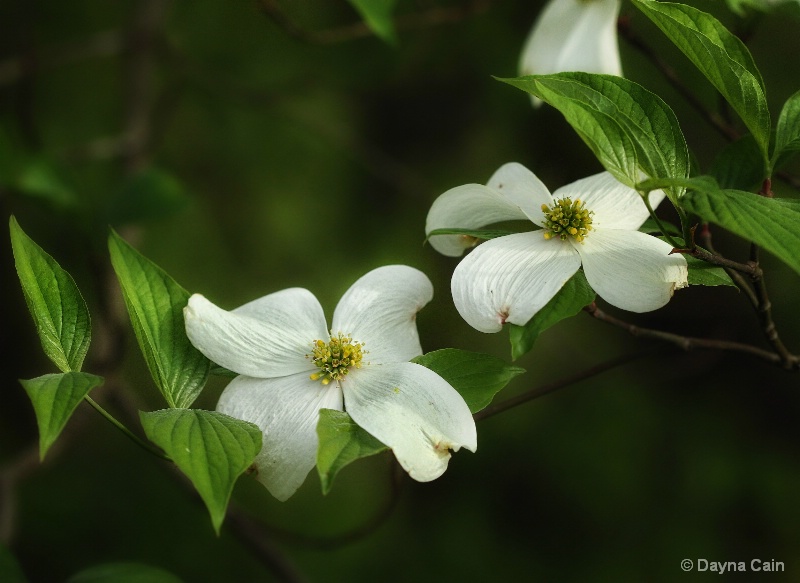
(510, 278)
(380, 310)
(287, 411)
(615, 205)
(574, 35)
(631, 270)
(523, 188)
(470, 206)
(412, 410)
(265, 338)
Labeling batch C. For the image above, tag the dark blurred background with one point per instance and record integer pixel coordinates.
(246, 147)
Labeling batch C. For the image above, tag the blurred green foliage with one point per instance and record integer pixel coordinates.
(243, 159)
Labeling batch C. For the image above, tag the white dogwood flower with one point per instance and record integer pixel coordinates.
(573, 35)
(291, 365)
(592, 222)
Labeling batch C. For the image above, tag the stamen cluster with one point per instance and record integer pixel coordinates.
(336, 357)
(566, 218)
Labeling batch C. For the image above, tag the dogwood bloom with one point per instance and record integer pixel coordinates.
(592, 222)
(573, 35)
(291, 366)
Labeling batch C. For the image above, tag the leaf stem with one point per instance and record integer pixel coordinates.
(646, 198)
(128, 433)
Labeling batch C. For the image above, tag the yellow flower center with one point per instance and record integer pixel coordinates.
(335, 358)
(567, 219)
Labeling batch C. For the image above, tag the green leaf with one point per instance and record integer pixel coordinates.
(484, 234)
(599, 129)
(55, 398)
(704, 273)
(149, 194)
(9, 567)
(792, 203)
(211, 448)
(377, 15)
(787, 134)
(124, 573)
(721, 57)
(773, 224)
(570, 300)
(155, 304)
(647, 122)
(57, 307)
(341, 441)
(476, 376)
(739, 165)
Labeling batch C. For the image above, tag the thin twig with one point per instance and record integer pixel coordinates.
(741, 282)
(559, 384)
(689, 343)
(751, 269)
(764, 311)
(764, 306)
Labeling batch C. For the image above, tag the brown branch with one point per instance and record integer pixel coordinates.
(741, 282)
(764, 311)
(559, 384)
(764, 306)
(690, 343)
(757, 293)
(751, 269)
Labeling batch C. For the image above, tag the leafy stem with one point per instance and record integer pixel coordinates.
(127, 432)
(664, 232)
